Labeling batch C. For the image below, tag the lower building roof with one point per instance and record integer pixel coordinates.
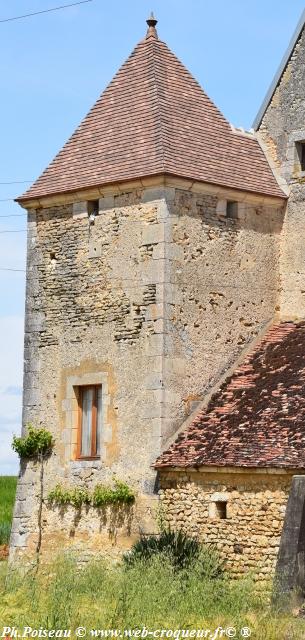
(257, 417)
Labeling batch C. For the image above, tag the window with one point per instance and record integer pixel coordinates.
(93, 207)
(218, 510)
(232, 209)
(90, 421)
(300, 146)
(221, 510)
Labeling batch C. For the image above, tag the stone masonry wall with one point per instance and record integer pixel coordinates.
(281, 129)
(225, 280)
(248, 539)
(154, 301)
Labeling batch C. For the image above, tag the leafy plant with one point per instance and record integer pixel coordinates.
(102, 495)
(180, 549)
(121, 493)
(59, 495)
(37, 442)
(77, 497)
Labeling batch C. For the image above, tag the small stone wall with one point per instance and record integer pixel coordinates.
(89, 532)
(248, 538)
(85, 531)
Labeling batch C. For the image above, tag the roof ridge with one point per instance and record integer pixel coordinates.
(153, 41)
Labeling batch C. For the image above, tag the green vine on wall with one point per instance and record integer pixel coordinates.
(36, 443)
(101, 496)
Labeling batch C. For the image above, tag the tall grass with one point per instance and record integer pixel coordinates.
(150, 594)
(7, 499)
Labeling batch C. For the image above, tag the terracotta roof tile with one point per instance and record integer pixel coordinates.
(152, 119)
(257, 418)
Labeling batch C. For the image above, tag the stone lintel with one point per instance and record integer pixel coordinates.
(236, 470)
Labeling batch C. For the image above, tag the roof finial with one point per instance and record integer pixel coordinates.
(151, 21)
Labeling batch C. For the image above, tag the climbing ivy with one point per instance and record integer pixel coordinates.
(102, 495)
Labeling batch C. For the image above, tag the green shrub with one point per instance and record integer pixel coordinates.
(59, 495)
(101, 496)
(180, 549)
(36, 442)
(105, 495)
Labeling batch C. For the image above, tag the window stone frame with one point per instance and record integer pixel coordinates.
(70, 408)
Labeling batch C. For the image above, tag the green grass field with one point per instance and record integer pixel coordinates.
(7, 499)
(110, 596)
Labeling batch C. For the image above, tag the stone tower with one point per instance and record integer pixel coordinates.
(153, 261)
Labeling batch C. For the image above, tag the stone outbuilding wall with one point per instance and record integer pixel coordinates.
(240, 513)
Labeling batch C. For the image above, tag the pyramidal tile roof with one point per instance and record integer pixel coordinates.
(257, 418)
(153, 119)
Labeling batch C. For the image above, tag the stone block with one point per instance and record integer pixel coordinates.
(153, 381)
(80, 210)
(151, 410)
(70, 404)
(170, 292)
(159, 251)
(95, 249)
(107, 433)
(153, 194)
(154, 363)
(153, 233)
(154, 312)
(34, 322)
(106, 203)
(174, 366)
(163, 211)
(31, 397)
(153, 272)
(18, 539)
(155, 345)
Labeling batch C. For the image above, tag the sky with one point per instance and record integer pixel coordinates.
(54, 66)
